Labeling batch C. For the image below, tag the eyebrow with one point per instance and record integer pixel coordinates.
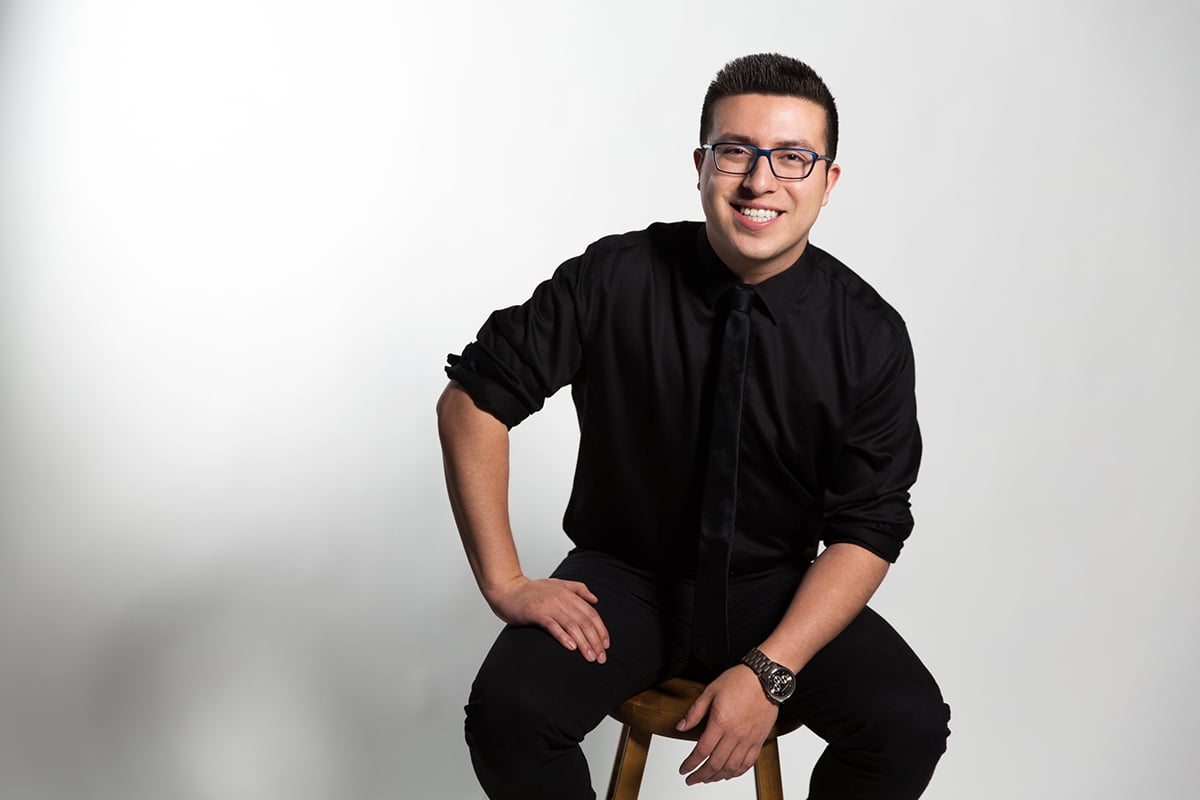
(802, 144)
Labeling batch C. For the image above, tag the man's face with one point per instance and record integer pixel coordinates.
(759, 247)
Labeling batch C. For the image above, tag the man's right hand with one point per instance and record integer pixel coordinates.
(561, 608)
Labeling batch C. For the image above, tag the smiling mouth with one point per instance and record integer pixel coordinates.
(757, 214)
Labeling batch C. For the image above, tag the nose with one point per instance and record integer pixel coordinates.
(760, 178)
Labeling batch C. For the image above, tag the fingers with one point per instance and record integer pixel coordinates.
(580, 621)
(582, 590)
(704, 747)
(564, 638)
(708, 756)
(728, 758)
(694, 758)
(590, 634)
(564, 609)
(696, 713)
(586, 638)
(731, 740)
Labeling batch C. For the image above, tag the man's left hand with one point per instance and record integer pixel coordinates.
(739, 719)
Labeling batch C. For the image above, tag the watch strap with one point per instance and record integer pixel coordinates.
(758, 661)
(765, 669)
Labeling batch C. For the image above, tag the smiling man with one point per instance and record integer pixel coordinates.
(758, 223)
(743, 399)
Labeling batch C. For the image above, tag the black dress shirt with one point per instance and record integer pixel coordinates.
(829, 443)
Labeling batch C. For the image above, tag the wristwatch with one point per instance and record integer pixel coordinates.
(778, 681)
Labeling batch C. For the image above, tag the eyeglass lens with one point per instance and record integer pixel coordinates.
(787, 162)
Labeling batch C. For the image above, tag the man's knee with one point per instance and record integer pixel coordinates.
(503, 713)
(912, 727)
(498, 710)
(529, 693)
(928, 729)
(522, 734)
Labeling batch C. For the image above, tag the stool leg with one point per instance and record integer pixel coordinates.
(629, 765)
(768, 781)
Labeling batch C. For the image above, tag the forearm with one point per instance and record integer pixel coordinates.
(475, 457)
(833, 591)
(475, 454)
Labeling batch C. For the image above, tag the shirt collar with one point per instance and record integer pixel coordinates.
(777, 293)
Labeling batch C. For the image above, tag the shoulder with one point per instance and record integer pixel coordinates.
(660, 239)
(624, 261)
(857, 298)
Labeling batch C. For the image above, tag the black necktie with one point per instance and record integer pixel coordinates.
(718, 510)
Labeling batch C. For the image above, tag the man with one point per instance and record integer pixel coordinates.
(695, 551)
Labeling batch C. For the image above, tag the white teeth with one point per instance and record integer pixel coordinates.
(759, 214)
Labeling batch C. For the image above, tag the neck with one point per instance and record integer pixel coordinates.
(754, 272)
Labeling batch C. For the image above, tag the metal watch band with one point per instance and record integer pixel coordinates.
(757, 661)
(768, 673)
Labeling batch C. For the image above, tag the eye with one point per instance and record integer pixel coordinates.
(797, 157)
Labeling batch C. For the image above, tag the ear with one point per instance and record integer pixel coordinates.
(831, 178)
(698, 159)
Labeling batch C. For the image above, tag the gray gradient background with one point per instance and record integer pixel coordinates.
(237, 240)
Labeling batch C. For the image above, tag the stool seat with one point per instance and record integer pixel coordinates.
(656, 712)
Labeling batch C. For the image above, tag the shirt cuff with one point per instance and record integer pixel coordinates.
(487, 394)
(883, 543)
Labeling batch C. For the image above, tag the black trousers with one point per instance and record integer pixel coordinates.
(865, 693)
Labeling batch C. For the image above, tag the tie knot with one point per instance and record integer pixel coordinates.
(740, 298)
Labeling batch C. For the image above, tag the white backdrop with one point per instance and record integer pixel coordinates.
(238, 238)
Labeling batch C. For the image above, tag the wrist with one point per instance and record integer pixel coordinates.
(495, 591)
(778, 682)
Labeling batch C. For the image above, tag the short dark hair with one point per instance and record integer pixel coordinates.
(771, 74)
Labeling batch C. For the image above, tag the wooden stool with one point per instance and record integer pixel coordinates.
(656, 711)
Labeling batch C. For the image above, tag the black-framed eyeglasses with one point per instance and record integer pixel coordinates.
(787, 163)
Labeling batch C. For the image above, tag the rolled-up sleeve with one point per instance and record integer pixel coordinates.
(524, 354)
(866, 500)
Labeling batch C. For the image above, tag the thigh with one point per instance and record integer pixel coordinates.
(539, 678)
(866, 679)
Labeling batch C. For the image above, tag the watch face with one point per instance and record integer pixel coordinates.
(781, 683)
